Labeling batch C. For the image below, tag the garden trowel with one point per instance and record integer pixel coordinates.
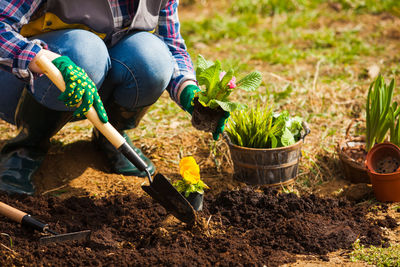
(28, 221)
(159, 188)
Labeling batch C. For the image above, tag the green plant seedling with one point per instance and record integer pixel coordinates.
(190, 182)
(262, 128)
(7, 235)
(394, 119)
(379, 111)
(219, 85)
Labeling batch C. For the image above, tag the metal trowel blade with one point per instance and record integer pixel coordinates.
(75, 236)
(173, 201)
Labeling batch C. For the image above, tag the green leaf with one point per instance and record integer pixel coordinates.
(180, 186)
(274, 141)
(202, 64)
(379, 111)
(227, 106)
(287, 138)
(295, 125)
(250, 82)
(203, 99)
(210, 79)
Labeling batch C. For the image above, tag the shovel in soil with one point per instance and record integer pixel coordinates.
(26, 220)
(159, 188)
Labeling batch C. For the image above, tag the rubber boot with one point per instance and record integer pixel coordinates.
(21, 156)
(123, 119)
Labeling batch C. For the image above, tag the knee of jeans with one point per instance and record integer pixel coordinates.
(89, 52)
(153, 85)
(154, 79)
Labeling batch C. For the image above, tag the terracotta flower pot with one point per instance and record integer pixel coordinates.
(383, 162)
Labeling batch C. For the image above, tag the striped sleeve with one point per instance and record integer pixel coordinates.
(16, 52)
(169, 32)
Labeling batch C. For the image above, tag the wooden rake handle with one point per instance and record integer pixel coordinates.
(112, 135)
(11, 213)
(23, 218)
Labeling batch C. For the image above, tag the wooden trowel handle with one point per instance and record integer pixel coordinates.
(56, 77)
(11, 213)
(112, 135)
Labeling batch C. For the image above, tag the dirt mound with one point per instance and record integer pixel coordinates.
(297, 225)
(239, 228)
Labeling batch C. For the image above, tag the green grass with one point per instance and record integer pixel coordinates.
(282, 54)
(290, 42)
(217, 28)
(372, 6)
(273, 7)
(378, 256)
(287, 40)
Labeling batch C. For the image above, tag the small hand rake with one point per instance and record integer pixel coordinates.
(27, 220)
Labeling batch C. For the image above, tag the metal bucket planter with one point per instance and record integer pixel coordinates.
(272, 166)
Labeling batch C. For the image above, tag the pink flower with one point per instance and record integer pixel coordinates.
(221, 75)
(232, 82)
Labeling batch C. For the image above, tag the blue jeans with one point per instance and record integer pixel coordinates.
(133, 73)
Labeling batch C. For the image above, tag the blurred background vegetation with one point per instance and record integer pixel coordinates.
(317, 59)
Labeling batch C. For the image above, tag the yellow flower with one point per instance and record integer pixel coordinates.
(189, 170)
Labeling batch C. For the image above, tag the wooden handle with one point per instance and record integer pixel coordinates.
(55, 76)
(11, 213)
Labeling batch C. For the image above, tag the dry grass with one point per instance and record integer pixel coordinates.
(329, 91)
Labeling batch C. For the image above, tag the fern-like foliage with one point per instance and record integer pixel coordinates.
(259, 127)
(250, 82)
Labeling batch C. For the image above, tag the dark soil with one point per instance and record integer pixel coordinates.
(239, 228)
(387, 165)
(205, 118)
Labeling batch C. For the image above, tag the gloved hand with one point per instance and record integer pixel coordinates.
(79, 88)
(186, 99)
(187, 95)
(221, 125)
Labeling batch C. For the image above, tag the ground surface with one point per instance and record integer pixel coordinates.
(327, 53)
(236, 228)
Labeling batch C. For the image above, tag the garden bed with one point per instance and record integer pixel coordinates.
(237, 227)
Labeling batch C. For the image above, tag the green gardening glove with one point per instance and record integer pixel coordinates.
(221, 125)
(79, 88)
(186, 99)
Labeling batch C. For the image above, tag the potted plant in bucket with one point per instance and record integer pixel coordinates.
(217, 85)
(380, 115)
(191, 186)
(265, 146)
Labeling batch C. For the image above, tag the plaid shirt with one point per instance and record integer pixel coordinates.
(16, 52)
